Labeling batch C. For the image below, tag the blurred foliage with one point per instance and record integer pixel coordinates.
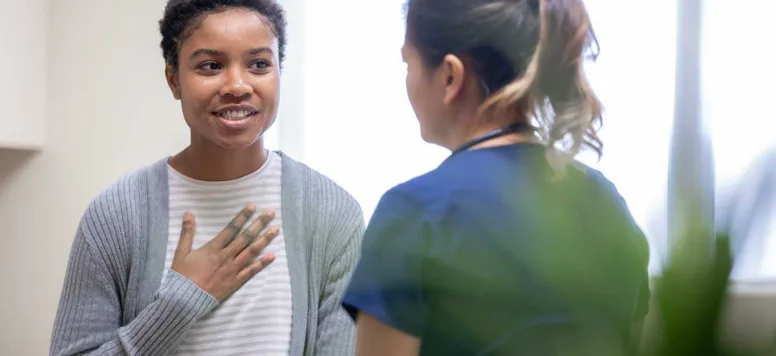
(690, 300)
(690, 296)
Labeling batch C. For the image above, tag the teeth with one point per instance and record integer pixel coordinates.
(235, 114)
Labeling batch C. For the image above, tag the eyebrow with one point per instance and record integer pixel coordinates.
(260, 50)
(213, 52)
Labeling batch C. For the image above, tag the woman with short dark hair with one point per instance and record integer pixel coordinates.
(144, 280)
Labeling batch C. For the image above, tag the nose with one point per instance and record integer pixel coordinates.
(235, 85)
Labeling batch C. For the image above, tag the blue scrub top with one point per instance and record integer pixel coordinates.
(488, 255)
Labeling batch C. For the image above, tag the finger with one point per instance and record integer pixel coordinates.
(256, 267)
(254, 249)
(187, 236)
(250, 234)
(230, 231)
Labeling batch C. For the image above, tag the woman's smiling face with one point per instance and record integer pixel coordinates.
(228, 78)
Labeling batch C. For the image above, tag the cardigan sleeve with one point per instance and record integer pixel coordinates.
(88, 319)
(336, 330)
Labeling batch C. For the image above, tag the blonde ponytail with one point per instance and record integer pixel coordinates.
(553, 90)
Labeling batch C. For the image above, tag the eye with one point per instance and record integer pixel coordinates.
(260, 66)
(209, 67)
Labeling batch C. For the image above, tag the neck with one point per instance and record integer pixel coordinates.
(209, 162)
(465, 136)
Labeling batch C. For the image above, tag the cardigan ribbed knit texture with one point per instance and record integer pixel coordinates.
(113, 303)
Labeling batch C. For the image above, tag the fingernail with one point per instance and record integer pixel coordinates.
(186, 217)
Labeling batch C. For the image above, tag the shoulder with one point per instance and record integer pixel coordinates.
(428, 196)
(592, 190)
(600, 189)
(398, 205)
(406, 213)
(327, 204)
(116, 209)
(318, 188)
(602, 197)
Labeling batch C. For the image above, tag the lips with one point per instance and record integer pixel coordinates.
(236, 117)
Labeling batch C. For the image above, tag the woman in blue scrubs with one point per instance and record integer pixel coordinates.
(510, 246)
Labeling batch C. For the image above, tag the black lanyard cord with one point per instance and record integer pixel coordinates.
(514, 128)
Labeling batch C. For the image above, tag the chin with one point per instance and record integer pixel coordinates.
(237, 142)
(435, 140)
(428, 137)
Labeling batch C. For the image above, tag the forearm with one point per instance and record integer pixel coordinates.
(378, 339)
(84, 325)
(160, 327)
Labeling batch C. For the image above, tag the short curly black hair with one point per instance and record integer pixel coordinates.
(181, 17)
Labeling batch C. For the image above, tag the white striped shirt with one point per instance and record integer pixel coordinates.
(256, 319)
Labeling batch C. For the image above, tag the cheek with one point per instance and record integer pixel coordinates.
(267, 98)
(267, 88)
(422, 96)
(418, 91)
(196, 94)
(413, 93)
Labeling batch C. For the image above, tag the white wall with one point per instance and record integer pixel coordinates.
(109, 111)
(23, 76)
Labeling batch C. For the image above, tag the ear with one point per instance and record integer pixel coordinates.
(172, 81)
(453, 71)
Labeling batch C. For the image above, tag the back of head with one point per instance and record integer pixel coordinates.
(528, 54)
